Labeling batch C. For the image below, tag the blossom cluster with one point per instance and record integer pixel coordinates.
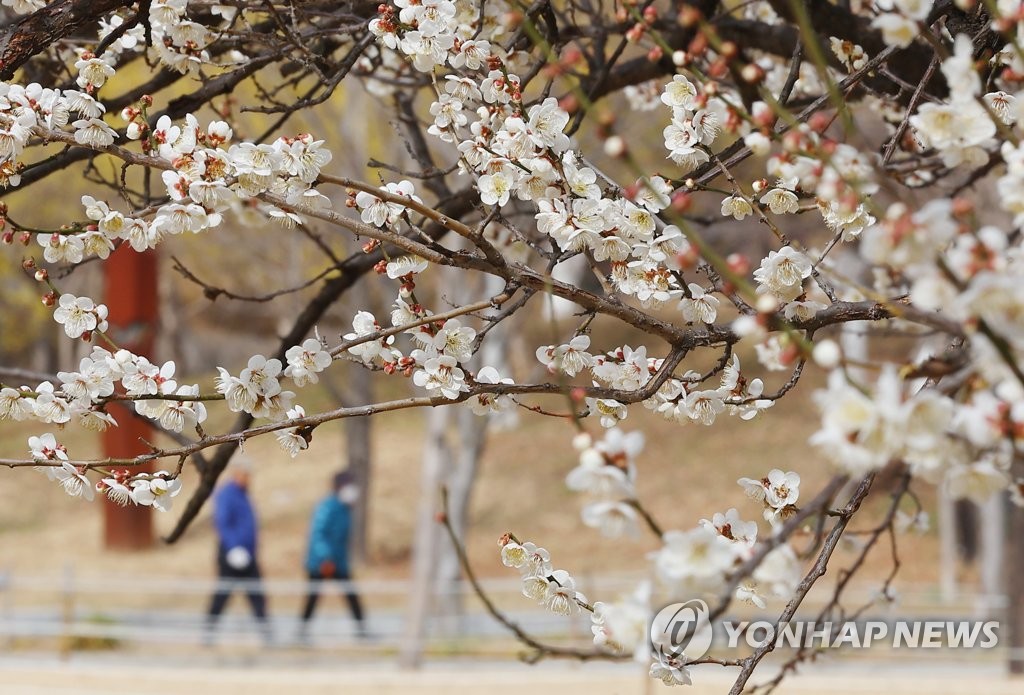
(555, 589)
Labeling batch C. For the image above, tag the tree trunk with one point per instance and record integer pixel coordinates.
(1015, 589)
(948, 556)
(460, 477)
(992, 532)
(358, 431)
(427, 538)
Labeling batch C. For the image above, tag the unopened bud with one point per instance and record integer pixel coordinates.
(681, 201)
(614, 146)
(688, 258)
(41, 274)
(826, 354)
(738, 263)
(752, 73)
(819, 122)
(569, 103)
(962, 207)
(689, 16)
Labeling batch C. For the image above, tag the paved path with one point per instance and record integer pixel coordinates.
(106, 676)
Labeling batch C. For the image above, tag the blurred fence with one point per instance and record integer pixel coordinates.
(75, 611)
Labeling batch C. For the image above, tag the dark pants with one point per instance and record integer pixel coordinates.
(231, 580)
(315, 584)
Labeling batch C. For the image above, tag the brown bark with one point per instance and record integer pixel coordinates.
(32, 33)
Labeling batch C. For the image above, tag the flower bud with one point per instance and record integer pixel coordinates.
(767, 304)
(738, 263)
(582, 441)
(689, 16)
(681, 201)
(752, 73)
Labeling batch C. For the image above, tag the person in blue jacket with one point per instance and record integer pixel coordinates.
(327, 554)
(237, 565)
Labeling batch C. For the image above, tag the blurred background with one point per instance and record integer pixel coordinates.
(77, 615)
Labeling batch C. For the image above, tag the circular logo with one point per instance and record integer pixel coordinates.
(681, 631)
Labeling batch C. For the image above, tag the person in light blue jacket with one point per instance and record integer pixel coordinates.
(327, 556)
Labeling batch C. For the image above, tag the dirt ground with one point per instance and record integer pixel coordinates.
(685, 474)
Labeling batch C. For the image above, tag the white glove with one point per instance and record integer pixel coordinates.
(238, 558)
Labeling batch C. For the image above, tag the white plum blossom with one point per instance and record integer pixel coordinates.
(79, 315)
(679, 93)
(455, 339)
(157, 490)
(694, 560)
(736, 207)
(369, 351)
(486, 403)
(700, 306)
(405, 265)
(292, 440)
(306, 361)
(671, 672)
(93, 72)
(442, 374)
(13, 405)
(74, 481)
(561, 596)
(570, 358)
(783, 489)
(57, 248)
(612, 518)
(46, 448)
(93, 132)
(782, 273)
(380, 213)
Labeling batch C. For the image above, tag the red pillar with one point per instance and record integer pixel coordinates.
(130, 294)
